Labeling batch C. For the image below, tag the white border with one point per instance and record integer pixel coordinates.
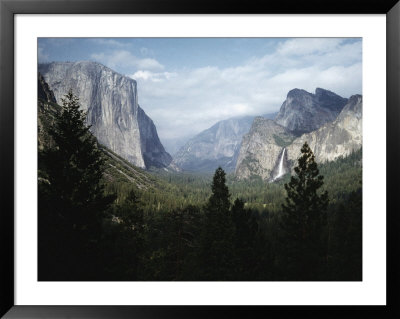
(372, 28)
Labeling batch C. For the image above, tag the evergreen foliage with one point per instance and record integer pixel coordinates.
(71, 197)
(304, 218)
(217, 249)
(246, 229)
(345, 242)
(128, 239)
(219, 203)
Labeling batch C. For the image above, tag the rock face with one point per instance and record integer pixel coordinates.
(217, 146)
(153, 151)
(47, 112)
(44, 92)
(262, 149)
(303, 112)
(338, 138)
(111, 102)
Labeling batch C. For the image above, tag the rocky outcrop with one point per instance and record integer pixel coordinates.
(44, 92)
(217, 146)
(154, 154)
(46, 115)
(261, 149)
(303, 112)
(111, 102)
(335, 139)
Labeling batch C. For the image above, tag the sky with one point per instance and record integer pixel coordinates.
(186, 85)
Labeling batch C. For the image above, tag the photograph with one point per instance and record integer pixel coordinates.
(200, 159)
(196, 160)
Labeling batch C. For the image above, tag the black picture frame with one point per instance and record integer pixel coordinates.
(8, 8)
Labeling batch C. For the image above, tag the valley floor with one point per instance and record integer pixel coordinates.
(164, 229)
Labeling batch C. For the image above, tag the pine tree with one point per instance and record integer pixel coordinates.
(304, 219)
(71, 196)
(217, 244)
(219, 202)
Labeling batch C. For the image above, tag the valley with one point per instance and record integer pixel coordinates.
(257, 153)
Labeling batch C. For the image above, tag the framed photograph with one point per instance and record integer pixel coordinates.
(188, 160)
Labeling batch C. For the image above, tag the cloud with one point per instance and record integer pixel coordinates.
(152, 76)
(124, 59)
(187, 101)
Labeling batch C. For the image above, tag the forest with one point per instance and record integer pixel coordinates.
(96, 224)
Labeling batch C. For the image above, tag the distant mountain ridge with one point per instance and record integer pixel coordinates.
(111, 102)
(216, 146)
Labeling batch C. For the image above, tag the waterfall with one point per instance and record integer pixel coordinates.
(280, 171)
(280, 167)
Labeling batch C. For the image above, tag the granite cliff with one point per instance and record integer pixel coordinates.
(261, 149)
(304, 112)
(334, 139)
(111, 102)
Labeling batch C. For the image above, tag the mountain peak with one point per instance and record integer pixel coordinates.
(304, 112)
(216, 146)
(321, 91)
(297, 92)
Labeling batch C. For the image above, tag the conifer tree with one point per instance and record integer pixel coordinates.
(304, 219)
(71, 196)
(217, 244)
(219, 202)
